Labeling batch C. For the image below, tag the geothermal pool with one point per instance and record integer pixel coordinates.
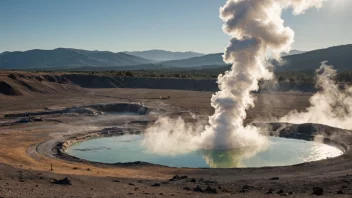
(129, 148)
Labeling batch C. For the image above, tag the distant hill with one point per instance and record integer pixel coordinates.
(150, 66)
(162, 55)
(74, 59)
(67, 58)
(340, 57)
(209, 59)
(293, 52)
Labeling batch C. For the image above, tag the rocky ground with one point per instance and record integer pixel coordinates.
(28, 172)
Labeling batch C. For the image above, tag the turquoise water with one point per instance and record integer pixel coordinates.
(128, 148)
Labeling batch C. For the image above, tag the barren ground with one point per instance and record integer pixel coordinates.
(26, 173)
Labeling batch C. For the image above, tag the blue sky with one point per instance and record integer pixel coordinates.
(128, 25)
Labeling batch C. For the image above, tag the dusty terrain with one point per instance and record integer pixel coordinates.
(27, 171)
(27, 83)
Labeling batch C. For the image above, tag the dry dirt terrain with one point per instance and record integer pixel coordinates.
(29, 168)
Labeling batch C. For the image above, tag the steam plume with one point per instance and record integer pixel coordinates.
(255, 27)
(330, 106)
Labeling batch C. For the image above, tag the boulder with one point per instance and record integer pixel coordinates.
(318, 191)
(198, 189)
(64, 181)
(156, 184)
(211, 190)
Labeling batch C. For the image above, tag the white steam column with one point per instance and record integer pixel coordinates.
(256, 28)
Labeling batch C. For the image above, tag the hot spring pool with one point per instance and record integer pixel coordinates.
(128, 148)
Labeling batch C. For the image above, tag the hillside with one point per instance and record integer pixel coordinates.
(340, 57)
(27, 83)
(20, 83)
(66, 58)
(162, 55)
(209, 59)
(74, 59)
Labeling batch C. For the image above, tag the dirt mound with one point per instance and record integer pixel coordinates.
(56, 79)
(25, 83)
(97, 81)
(51, 82)
(7, 89)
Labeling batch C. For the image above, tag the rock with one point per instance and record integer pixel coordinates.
(209, 181)
(193, 180)
(243, 190)
(64, 181)
(131, 184)
(291, 193)
(247, 187)
(274, 178)
(186, 188)
(175, 178)
(270, 191)
(318, 191)
(198, 189)
(115, 180)
(211, 190)
(340, 192)
(280, 191)
(219, 187)
(346, 181)
(156, 184)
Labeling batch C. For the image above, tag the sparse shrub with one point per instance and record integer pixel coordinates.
(129, 74)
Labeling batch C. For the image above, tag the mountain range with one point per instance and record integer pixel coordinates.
(339, 56)
(209, 59)
(162, 55)
(68, 58)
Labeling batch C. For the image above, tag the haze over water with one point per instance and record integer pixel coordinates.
(128, 148)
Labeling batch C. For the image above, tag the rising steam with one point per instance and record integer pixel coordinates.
(329, 106)
(256, 28)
